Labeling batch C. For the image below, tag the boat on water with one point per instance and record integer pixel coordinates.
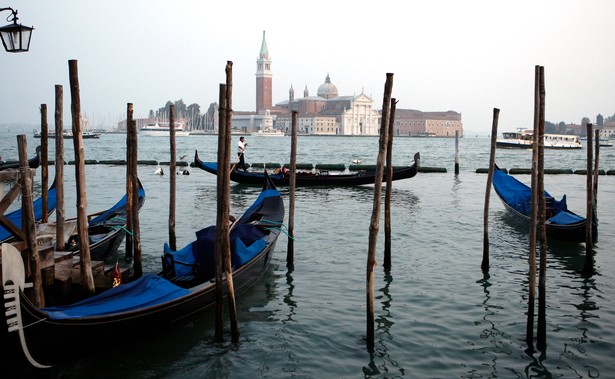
(310, 178)
(268, 132)
(561, 223)
(522, 139)
(603, 142)
(184, 289)
(163, 129)
(67, 134)
(106, 230)
(33, 162)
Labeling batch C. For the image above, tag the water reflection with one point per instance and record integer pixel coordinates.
(380, 362)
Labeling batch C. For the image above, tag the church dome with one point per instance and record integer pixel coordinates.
(327, 89)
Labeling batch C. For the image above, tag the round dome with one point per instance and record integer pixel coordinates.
(327, 89)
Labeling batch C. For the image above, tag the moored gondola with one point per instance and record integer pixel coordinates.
(560, 223)
(305, 179)
(173, 297)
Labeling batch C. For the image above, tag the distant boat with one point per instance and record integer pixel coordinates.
(523, 139)
(67, 134)
(155, 129)
(604, 142)
(268, 132)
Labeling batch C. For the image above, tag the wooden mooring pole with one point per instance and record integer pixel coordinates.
(129, 199)
(59, 166)
(222, 240)
(87, 278)
(456, 152)
(494, 133)
(134, 186)
(389, 188)
(44, 157)
(227, 180)
(541, 330)
(375, 219)
(172, 180)
(292, 182)
(29, 225)
(588, 268)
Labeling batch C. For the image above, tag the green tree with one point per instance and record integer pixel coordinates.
(599, 120)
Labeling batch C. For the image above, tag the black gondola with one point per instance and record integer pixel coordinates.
(561, 223)
(174, 296)
(304, 179)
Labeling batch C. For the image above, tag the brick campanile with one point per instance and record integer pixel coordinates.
(263, 79)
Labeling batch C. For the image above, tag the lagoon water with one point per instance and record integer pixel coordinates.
(437, 314)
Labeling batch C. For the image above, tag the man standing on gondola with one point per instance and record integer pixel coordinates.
(241, 148)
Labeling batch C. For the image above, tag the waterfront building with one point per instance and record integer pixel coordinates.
(414, 123)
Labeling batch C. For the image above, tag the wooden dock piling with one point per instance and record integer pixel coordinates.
(172, 179)
(134, 206)
(494, 133)
(44, 159)
(541, 330)
(292, 183)
(87, 279)
(588, 268)
(59, 166)
(389, 188)
(375, 218)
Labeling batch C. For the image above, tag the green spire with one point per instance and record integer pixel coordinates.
(264, 52)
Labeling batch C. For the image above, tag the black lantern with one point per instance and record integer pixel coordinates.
(15, 37)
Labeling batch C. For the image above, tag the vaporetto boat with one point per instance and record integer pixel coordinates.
(523, 139)
(157, 130)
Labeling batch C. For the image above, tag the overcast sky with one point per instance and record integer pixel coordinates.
(467, 56)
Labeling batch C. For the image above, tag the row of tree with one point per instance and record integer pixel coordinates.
(563, 128)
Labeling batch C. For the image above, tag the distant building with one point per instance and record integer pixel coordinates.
(410, 122)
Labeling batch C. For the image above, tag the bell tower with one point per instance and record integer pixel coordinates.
(263, 79)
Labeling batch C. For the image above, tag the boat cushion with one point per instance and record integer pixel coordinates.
(147, 291)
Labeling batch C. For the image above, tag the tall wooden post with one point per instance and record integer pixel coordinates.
(389, 187)
(172, 180)
(494, 134)
(59, 166)
(588, 268)
(456, 152)
(44, 161)
(292, 182)
(541, 330)
(596, 173)
(221, 238)
(375, 219)
(29, 225)
(87, 279)
(134, 185)
(227, 179)
(129, 199)
(531, 301)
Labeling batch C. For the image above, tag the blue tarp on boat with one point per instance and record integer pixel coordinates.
(147, 291)
(15, 216)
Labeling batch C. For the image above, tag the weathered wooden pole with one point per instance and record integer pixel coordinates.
(596, 173)
(292, 183)
(541, 330)
(375, 219)
(129, 199)
(531, 300)
(221, 238)
(456, 152)
(588, 268)
(227, 180)
(44, 161)
(136, 230)
(389, 188)
(87, 279)
(172, 180)
(494, 134)
(29, 225)
(59, 166)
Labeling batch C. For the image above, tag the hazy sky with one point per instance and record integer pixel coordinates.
(468, 56)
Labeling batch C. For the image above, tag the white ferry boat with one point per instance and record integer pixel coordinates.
(268, 132)
(163, 129)
(523, 139)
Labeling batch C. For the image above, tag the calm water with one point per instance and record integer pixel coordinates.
(437, 315)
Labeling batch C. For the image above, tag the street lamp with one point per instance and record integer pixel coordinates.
(15, 37)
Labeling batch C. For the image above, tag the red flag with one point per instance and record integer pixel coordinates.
(117, 275)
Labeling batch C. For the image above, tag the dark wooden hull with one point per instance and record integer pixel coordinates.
(54, 341)
(33, 162)
(312, 179)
